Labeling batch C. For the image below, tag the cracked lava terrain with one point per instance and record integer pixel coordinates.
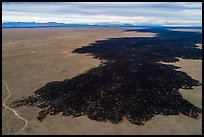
(130, 83)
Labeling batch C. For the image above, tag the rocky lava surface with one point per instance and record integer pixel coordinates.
(130, 83)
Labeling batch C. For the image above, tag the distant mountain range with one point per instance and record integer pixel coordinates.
(36, 24)
(55, 24)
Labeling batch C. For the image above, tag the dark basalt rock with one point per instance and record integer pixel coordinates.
(131, 83)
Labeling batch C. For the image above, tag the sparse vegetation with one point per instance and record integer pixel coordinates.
(131, 83)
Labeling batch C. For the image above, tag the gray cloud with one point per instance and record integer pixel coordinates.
(162, 11)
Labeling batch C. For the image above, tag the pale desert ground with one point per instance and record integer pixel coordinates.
(188, 30)
(33, 57)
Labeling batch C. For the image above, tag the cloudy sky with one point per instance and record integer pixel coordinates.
(163, 13)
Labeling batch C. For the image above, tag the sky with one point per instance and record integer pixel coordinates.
(137, 13)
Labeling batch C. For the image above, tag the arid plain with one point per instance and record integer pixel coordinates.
(32, 57)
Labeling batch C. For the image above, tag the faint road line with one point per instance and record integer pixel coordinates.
(26, 122)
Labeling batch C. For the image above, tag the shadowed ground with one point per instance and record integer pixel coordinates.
(130, 83)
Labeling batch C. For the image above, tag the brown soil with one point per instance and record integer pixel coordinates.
(33, 57)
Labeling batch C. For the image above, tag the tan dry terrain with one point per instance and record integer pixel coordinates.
(199, 46)
(33, 57)
(187, 30)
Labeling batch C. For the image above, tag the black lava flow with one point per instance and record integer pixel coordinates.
(130, 84)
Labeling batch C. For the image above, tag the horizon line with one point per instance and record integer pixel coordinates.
(99, 23)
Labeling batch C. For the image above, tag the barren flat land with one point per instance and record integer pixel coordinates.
(32, 57)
